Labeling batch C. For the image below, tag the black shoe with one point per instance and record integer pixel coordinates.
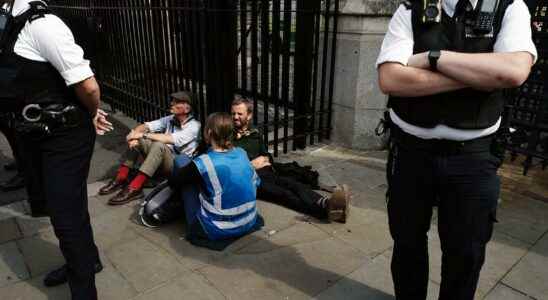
(15, 183)
(59, 276)
(12, 166)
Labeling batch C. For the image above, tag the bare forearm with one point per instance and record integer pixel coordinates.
(89, 94)
(141, 128)
(402, 81)
(161, 137)
(486, 70)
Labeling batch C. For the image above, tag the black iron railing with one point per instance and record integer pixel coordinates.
(280, 53)
(527, 109)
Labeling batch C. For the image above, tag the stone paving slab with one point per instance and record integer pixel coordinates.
(9, 230)
(34, 289)
(530, 276)
(41, 253)
(521, 217)
(12, 265)
(371, 281)
(190, 286)
(502, 291)
(295, 272)
(143, 264)
(370, 223)
(503, 252)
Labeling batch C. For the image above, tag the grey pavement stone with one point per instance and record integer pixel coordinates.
(363, 178)
(372, 281)
(522, 217)
(12, 265)
(114, 226)
(531, 274)
(34, 289)
(30, 226)
(143, 264)
(189, 286)
(502, 291)
(41, 253)
(503, 252)
(9, 230)
(171, 239)
(365, 229)
(296, 272)
(301, 232)
(111, 285)
(277, 217)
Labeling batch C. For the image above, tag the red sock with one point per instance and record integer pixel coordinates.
(138, 182)
(123, 173)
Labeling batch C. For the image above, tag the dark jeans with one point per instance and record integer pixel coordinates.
(465, 187)
(288, 192)
(56, 170)
(9, 132)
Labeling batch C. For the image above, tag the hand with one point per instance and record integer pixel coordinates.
(133, 143)
(260, 162)
(419, 61)
(102, 125)
(134, 135)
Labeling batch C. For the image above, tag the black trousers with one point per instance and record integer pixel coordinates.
(56, 171)
(288, 192)
(8, 131)
(465, 187)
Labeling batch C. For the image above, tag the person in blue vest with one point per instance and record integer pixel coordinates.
(219, 187)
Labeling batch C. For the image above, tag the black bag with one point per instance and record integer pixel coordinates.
(302, 174)
(161, 206)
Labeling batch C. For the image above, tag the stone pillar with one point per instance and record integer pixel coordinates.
(358, 103)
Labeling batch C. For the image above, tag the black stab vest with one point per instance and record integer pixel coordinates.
(27, 81)
(462, 109)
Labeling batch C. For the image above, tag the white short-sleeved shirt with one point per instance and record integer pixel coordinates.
(50, 40)
(515, 36)
(185, 137)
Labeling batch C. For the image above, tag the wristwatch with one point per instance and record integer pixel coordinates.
(145, 136)
(433, 57)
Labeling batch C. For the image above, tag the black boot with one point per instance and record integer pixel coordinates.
(15, 183)
(60, 276)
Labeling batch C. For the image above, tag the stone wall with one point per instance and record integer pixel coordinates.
(358, 102)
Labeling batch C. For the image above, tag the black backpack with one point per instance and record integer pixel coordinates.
(161, 206)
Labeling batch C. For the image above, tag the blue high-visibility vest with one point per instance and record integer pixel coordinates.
(228, 198)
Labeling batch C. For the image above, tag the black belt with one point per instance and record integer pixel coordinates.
(42, 118)
(437, 146)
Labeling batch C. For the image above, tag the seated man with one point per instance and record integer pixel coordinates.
(218, 188)
(278, 189)
(157, 142)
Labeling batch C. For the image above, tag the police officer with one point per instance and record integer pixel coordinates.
(58, 118)
(444, 75)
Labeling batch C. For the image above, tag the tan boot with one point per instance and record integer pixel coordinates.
(339, 204)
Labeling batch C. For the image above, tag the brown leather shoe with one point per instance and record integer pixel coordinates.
(111, 187)
(125, 196)
(339, 204)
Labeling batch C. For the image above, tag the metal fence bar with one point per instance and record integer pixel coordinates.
(277, 52)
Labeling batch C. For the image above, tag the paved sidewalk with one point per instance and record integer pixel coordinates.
(293, 257)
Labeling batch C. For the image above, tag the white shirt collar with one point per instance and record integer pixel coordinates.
(21, 6)
(449, 6)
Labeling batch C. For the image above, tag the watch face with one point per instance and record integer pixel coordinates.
(431, 12)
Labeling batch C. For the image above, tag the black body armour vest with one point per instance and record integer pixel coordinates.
(462, 109)
(25, 81)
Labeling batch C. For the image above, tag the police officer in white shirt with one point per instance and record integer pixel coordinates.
(57, 101)
(444, 64)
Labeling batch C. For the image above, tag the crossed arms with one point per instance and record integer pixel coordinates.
(482, 71)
